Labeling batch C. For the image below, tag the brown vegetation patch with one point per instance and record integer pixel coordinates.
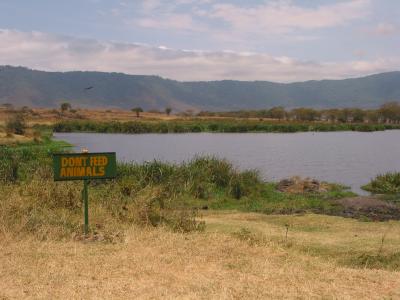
(298, 185)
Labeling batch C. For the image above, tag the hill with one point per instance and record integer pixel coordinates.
(21, 86)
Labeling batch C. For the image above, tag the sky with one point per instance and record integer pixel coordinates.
(188, 40)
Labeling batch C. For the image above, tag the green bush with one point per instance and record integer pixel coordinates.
(388, 183)
(16, 124)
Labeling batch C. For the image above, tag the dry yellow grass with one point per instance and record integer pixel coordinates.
(15, 138)
(157, 263)
(47, 116)
(312, 229)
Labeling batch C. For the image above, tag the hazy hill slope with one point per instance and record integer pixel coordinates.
(21, 86)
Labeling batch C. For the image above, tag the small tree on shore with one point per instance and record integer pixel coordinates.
(65, 106)
(168, 111)
(390, 112)
(277, 112)
(137, 110)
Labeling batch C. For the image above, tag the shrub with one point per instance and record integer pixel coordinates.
(65, 106)
(242, 184)
(388, 183)
(16, 124)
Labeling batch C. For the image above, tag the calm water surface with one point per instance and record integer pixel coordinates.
(350, 158)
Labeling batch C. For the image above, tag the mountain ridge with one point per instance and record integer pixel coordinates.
(22, 86)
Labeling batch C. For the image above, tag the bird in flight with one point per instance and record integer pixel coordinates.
(88, 88)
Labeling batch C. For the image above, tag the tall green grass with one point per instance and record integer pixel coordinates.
(199, 125)
(151, 194)
(388, 183)
(19, 162)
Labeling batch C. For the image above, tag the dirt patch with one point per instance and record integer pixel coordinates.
(369, 207)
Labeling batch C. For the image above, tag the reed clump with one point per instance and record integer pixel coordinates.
(388, 183)
(147, 194)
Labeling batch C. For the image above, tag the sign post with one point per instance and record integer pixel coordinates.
(86, 204)
(84, 166)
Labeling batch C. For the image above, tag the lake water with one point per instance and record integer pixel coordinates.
(350, 158)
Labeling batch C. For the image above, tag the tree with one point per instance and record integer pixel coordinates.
(344, 115)
(373, 116)
(168, 111)
(65, 106)
(305, 114)
(277, 113)
(331, 115)
(390, 112)
(137, 110)
(358, 115)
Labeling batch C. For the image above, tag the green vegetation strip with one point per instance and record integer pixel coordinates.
(199, 125)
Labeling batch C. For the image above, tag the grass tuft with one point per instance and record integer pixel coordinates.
(388, 183)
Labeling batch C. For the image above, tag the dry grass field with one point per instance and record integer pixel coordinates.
(240, 256)
(50, 116)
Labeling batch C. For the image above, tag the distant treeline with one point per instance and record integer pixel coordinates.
(388, 113)
(223, 125)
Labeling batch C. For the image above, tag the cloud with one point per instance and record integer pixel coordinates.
(277, 16)
(385, 29)
(284, 16)
(170, 21)
(232, 24)
(49, 52)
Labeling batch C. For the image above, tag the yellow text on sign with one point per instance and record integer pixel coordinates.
(80, 166)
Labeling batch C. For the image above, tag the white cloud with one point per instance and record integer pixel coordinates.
(234, 23)
(150, 5)
(385, 29)
(59, 53)
(170, 21)
(284, 16)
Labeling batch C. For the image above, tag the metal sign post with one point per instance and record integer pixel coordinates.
(86, 204)
(84, 166)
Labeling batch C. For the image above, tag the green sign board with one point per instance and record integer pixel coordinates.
(81, 166)
(84, 166)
